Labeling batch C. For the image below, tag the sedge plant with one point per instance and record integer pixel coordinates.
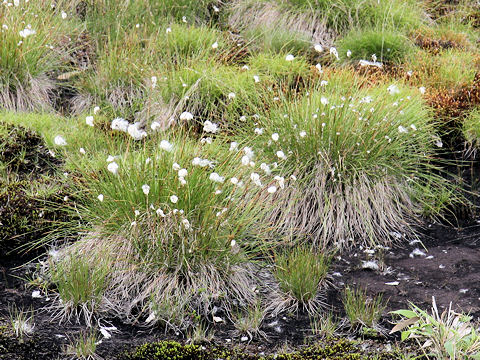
(34, 45)
(362, 311)
(346, 162)
(302, 275)
(165, 222)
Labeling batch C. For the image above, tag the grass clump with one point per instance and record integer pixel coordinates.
(215, 92)
(363, 311)
(280, 70)
(34, 45)
(275, 28)
(343, 15)
(451, 69)
(277, 40)
(302, 276)
(324, 326)
(387, 46)
(121, 82)
(443, 36)
(80, 286)
(84, 347)
(345, 163)
(22, 322)
(164, 226)
(471, 129)
(250, 322)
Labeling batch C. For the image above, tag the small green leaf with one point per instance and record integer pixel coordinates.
(407, 313)
(450, 349)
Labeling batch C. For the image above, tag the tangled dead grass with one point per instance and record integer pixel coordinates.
(246, 15)
(367, 212)
(140, 284)
(36, 96)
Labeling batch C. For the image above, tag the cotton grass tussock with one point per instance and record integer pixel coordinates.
(166, 234)
(356, 181)
(31, 36)
(271, 16)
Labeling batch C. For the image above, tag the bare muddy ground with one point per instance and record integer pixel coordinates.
(446, 266)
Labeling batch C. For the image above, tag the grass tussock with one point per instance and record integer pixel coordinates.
(343, 174)
(387, 46)
(171, 244)
(303, 278)
(34, 41)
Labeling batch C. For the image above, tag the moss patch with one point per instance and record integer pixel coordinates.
(170, 350)
(24, 152)
(27, 212)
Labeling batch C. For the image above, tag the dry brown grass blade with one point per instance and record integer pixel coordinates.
(68, 75)
(404, 323)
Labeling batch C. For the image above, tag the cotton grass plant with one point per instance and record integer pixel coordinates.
(343, 15)
(34, 40)
(215, 92)
(170, 233)
(279, 21)
(349, 160)
(132, 69)
(322, 20)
